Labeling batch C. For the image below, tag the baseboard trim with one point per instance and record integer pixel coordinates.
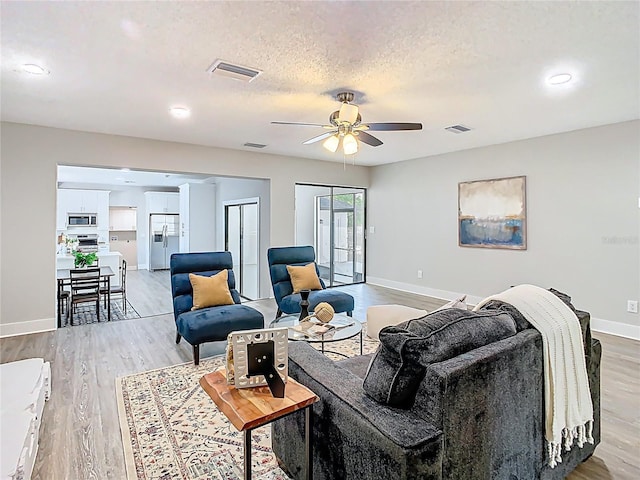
(420, 290)
(25, 328)
(597, 324)
(615, 328)
(143, 266)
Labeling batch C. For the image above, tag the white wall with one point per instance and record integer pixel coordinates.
(228, 189)
(198, 207)
(30, 155)
(582, 220)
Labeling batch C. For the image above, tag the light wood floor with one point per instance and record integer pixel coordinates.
(80, 436)
(149, 292)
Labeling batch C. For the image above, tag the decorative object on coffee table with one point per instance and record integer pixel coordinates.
(304, 303)
(323, 312)
(341, 327)
(253, 408)
(492, 213)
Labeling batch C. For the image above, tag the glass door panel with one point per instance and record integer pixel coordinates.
(339, 229)
(249, 258)
(232, 239)
(242, 240)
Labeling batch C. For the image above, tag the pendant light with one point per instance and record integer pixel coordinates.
(349, 144)
(331, 143)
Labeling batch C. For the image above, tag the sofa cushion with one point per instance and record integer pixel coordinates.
(407, 349)
(304, 277)
(214, 323)
(210, 291)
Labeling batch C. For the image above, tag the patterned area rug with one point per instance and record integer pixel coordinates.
(171, 429)
(85, 313)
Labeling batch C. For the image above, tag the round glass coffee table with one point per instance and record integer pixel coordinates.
(345, 327)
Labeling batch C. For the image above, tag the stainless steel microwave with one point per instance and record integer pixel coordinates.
(82, 220)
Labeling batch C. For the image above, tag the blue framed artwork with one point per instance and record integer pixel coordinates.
(492, 213)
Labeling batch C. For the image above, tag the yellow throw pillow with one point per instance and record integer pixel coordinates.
(210, 291)
(304, 278)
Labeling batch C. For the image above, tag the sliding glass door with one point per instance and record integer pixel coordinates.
(332, 219)
(241, 239)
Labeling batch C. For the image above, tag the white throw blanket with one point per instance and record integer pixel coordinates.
(569, 410)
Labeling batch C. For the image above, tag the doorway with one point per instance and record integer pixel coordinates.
(332, 219)
(242, 238)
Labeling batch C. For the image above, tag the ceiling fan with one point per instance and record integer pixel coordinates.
(346, 128)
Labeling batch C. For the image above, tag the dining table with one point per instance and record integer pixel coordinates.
(63, 277)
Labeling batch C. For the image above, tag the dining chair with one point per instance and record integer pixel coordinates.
(85, 288)
(63, 303)
(119, 290)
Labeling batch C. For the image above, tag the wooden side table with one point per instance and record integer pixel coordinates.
(249, 408)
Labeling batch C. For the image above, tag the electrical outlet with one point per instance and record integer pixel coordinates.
(372, 229)
(632, 306)
(420, 274)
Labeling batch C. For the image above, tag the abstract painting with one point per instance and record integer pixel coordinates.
(492, 213)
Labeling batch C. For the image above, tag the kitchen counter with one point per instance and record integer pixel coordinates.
(107, 259)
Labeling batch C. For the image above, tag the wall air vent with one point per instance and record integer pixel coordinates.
(238, 72)
(254, 145)
(457, 129)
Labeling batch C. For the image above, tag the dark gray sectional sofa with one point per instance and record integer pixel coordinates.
(477, 415)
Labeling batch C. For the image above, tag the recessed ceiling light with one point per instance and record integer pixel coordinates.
(34, 69)
(180, 112)
(125, 169)
(559, 79)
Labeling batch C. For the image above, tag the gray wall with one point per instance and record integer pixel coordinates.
(28, 200)
(582, 217)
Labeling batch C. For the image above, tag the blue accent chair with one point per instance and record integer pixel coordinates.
(289, 302)
(211, 324)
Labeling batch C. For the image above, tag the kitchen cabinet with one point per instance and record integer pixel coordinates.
(162, 202)
(197, 217)
(82, 201)
(122, 219)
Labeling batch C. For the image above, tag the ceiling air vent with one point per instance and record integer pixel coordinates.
(254, 145)
(457, 129)
(226, 69)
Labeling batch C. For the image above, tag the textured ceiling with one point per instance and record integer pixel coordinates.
(116, 67)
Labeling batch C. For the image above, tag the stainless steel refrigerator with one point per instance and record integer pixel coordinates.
(164, 240)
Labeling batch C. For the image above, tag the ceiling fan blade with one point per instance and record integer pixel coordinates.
(369, 139)
(390, 126)
(319, 137)
(303, 124)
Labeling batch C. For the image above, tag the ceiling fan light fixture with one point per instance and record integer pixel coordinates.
(348, 113)
(350, 144)
(331, 143)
